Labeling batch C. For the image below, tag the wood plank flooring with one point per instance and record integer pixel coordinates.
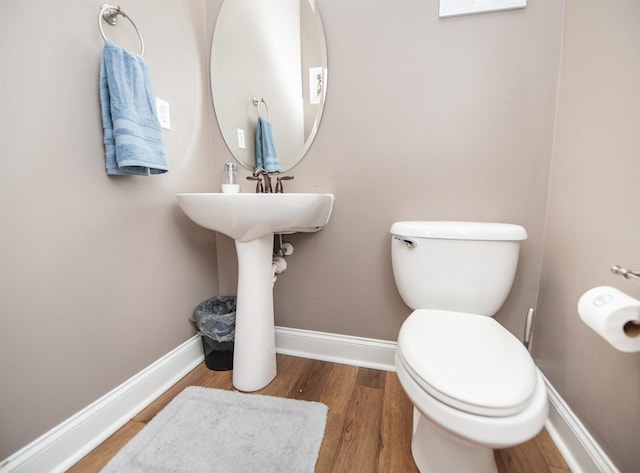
(368, 425)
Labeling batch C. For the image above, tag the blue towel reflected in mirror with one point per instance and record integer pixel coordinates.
(266, 155)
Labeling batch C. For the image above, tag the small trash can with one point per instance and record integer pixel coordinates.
(216, 321)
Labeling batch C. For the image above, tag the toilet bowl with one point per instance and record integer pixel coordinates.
(473, 385)
(471, 414)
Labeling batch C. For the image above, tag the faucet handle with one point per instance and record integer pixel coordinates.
(258, 179)
(279, 179)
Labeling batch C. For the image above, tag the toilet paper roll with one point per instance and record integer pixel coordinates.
(613, 315)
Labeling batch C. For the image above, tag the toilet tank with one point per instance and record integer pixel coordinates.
(456, 266)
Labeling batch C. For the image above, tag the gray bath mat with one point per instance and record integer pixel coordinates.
(211, 430)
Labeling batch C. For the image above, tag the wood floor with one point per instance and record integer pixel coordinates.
(368, 426)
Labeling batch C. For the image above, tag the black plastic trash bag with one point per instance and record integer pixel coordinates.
(216, 321)
(216, 318)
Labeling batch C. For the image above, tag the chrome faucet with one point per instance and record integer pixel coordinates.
(266, 179)
(263, 180)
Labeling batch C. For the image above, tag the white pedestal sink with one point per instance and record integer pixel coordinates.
(251, 220)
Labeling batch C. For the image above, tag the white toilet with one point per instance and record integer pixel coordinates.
(473, 384)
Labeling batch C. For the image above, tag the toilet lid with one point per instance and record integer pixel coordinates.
(467, 361)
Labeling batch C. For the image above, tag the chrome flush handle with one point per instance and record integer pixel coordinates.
(626, 273)
(407, 241)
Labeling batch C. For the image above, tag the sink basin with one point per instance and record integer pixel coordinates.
(245, 217)
(252, 220)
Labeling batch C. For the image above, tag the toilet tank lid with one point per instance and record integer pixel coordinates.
(459, 230)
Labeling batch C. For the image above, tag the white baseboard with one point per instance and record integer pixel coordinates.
(579, 449)
(345, 349)
(65, 444)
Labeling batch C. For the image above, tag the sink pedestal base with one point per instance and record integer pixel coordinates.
(254, 357)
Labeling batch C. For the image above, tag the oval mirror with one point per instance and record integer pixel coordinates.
(269, 60)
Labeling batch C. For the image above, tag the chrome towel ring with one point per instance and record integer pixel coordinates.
(256, 102)
(110, 14)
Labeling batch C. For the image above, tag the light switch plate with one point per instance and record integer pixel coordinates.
(241, 143)
(316, 84)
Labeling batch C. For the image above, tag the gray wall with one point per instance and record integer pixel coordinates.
(592, 221)
(425, 119)
(98, 274)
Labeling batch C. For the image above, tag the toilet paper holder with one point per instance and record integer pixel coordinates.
(626, 273)
(632, 329)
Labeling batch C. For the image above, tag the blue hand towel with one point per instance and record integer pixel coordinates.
(266, 156)
(132, 135)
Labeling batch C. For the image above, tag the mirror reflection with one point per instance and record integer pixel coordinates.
(269, 62)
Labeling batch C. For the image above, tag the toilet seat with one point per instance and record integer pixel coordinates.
(493, 432)
(467, 361)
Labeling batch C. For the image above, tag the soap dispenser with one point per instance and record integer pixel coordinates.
(230, 183)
